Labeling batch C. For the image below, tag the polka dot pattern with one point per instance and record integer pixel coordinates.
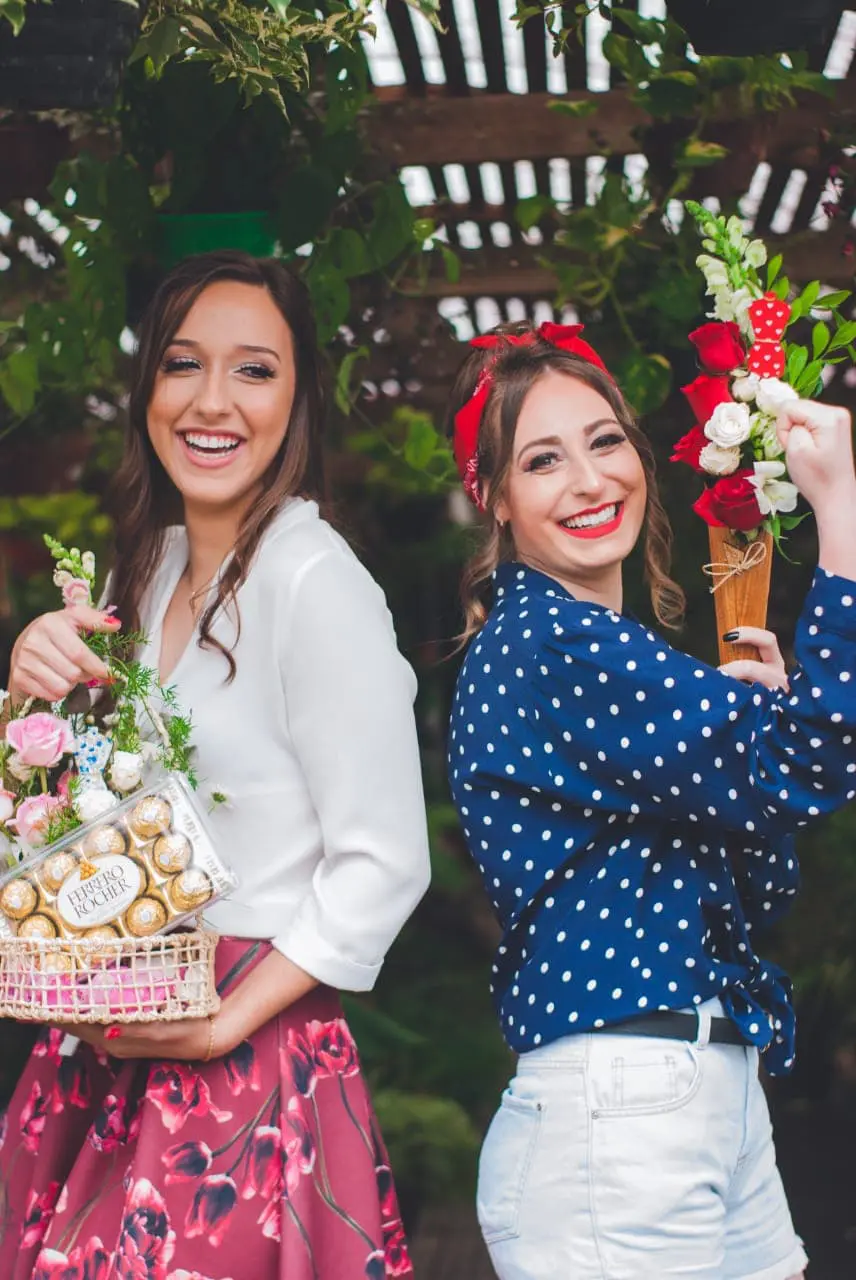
(632, 811)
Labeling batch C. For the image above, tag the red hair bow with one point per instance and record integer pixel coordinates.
(469, 417)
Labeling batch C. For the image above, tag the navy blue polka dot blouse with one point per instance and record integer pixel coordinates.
(632, 811)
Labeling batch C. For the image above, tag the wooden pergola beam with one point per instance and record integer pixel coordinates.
(502, 127)
(516, 272)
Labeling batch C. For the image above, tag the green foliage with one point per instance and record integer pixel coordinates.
(432, 1144)
(409, 455)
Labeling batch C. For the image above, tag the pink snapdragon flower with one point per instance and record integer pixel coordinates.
(41, 739)
(76, 591)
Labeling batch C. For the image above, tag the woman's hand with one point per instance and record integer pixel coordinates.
(769, 671)
(818, 447)
(49, 658)
(186, 1040)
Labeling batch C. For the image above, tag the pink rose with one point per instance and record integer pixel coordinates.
(33, 818)
(76, 592)
(41, 740)
(7, 805)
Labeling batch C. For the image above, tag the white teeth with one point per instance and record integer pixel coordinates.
(591, 521)
(211, 444)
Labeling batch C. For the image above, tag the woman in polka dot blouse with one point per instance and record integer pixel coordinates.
(633, 813)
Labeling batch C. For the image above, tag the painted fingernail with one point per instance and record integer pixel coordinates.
(731, 635)
(113, 621)
(112, 1033)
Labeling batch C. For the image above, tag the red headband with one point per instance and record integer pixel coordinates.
(469, 416)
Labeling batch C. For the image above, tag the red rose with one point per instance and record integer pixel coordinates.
(719, 347)
(689, 447)
(732, 502)
(704, 394)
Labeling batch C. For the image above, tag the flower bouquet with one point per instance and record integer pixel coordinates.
(750, 370)
(106, 853)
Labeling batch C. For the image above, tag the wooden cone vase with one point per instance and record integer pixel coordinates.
(741, 595)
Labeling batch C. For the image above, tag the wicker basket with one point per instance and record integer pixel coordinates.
(159, 979)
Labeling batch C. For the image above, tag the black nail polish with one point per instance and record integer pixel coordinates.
(730, 636)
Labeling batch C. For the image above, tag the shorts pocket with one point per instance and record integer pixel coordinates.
(506, 1158)
(646, 1078)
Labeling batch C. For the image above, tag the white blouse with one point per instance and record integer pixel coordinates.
(314, 744)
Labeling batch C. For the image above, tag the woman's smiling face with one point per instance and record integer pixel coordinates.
(223, 394)
(575, 493)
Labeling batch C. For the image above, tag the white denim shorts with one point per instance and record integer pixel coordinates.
(626, 1157)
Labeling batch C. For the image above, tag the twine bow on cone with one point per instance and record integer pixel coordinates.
(723, 570)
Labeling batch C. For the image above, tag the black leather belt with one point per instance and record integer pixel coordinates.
(671, 1025)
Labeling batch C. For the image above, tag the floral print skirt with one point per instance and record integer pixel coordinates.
(265, 1164)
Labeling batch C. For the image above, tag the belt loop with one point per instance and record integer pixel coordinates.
(702, 1040)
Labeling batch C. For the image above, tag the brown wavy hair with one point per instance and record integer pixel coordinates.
(516, 368)
(144, 499)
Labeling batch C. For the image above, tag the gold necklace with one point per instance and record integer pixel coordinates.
(200, 592)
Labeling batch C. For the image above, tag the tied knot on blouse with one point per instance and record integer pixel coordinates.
(632, 811)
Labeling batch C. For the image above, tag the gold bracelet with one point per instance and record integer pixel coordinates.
(212, 1017)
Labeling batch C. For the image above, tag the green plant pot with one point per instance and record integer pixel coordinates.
(183, 234)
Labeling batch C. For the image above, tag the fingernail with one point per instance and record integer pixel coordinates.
(113, 622)
(94, 684)
(730, 636)
(112, 1033)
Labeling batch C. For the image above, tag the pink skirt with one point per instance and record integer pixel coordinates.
(266, 1164)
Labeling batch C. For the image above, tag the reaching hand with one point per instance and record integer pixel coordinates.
(818, 449)
(49, 657)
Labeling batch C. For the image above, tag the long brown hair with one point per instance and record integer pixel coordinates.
(144, 499)
(515, 369)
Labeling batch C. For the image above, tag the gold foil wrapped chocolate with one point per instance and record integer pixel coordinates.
(105, 838)
(18, 899)
(190, 889)
(172, 853)
(145, 916)
(37, 926)
(56, 869)
(150, 817)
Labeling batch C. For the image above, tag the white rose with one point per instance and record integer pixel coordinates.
(729, 425)
(745, 388)
(717, 461)
(18, 769)
(773, 395)
(94, 802)
(773, 494)
(126, 770)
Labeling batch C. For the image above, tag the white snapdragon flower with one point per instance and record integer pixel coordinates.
(729, 425)
(764, 431)
(773, 395)
(717, 461)
(745, 388)
(773, 493)
(741, 301)
(62, 578)
(87, 561)
(734, 227)
(714, 272)
(126, 770)
(755, 254)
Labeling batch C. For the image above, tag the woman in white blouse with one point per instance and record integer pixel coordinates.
(244, 1146)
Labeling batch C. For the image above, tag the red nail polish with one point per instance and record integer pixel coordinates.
(112, 1033)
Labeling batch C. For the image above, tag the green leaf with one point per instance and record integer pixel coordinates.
(429, 9)
(421, 443)
(344, 394)
(804, 301)
(829, 301)
(797, 361)
(646, 30)
(782, 288)
(645, 380)
(15, 12)
(673, 94)
(696, 154)
(347, 253)
(159, 44)
(19, 380)
(843, 336)
(578, 108)
(808, 380)
(280, 7)
(452, 263)
(331, 299)
(819, 338)
(774, 266)
(530, 211)
(391, 226)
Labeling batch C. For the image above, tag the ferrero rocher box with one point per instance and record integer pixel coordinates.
(139, 870)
